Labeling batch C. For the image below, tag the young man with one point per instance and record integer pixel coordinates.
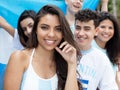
(94, 68)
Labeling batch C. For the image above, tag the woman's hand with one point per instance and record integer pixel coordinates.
(68, 52)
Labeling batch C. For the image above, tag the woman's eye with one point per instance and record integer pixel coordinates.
(102, 27)
(44, 28)
(110, 27)
(58, 29)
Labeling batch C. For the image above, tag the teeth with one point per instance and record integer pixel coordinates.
(81, 39)
(106, 36)
(50, 41)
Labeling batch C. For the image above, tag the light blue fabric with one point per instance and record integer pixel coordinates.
(94, 44)
(2, 72)
(11, 10)
(91, 4)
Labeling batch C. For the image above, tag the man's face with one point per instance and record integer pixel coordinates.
(74, 5)
(84, 33)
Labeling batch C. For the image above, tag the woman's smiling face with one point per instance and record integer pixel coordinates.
(49, 32)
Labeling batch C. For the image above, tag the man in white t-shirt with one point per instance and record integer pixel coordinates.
(94, 68)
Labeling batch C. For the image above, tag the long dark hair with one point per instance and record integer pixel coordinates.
(25, 14)
(61, 64)
(112, 46)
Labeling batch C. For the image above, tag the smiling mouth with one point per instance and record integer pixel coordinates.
(76, 6)
(106, 36)
(50, 42)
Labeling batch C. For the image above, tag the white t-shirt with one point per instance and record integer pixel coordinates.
(31, 81)
(96, 71)
(94, 44)
(16, 41)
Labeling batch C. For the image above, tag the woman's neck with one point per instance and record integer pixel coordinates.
(100, 43)
(44, 63)
(45, 55)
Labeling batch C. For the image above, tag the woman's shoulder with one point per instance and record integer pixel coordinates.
(20, 54)
(20, 57)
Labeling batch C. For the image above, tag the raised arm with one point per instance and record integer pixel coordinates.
(5, 25)
(104, 5)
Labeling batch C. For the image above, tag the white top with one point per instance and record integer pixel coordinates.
(94, 44)
(96, 71)
(31, 81)
(16, 41)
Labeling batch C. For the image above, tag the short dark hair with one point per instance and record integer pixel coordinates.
(87, 15)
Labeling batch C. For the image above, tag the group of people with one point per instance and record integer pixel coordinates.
(77, 51)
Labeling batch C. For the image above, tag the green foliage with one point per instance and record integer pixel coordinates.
(118, 8)
(110, 8)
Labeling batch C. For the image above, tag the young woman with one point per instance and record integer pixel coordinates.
(50, 61)
(24, 28)
(108, 38)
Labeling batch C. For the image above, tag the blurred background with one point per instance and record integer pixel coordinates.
(114, 8)
(11, 10)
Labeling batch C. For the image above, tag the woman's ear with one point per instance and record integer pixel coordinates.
(97, 30)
